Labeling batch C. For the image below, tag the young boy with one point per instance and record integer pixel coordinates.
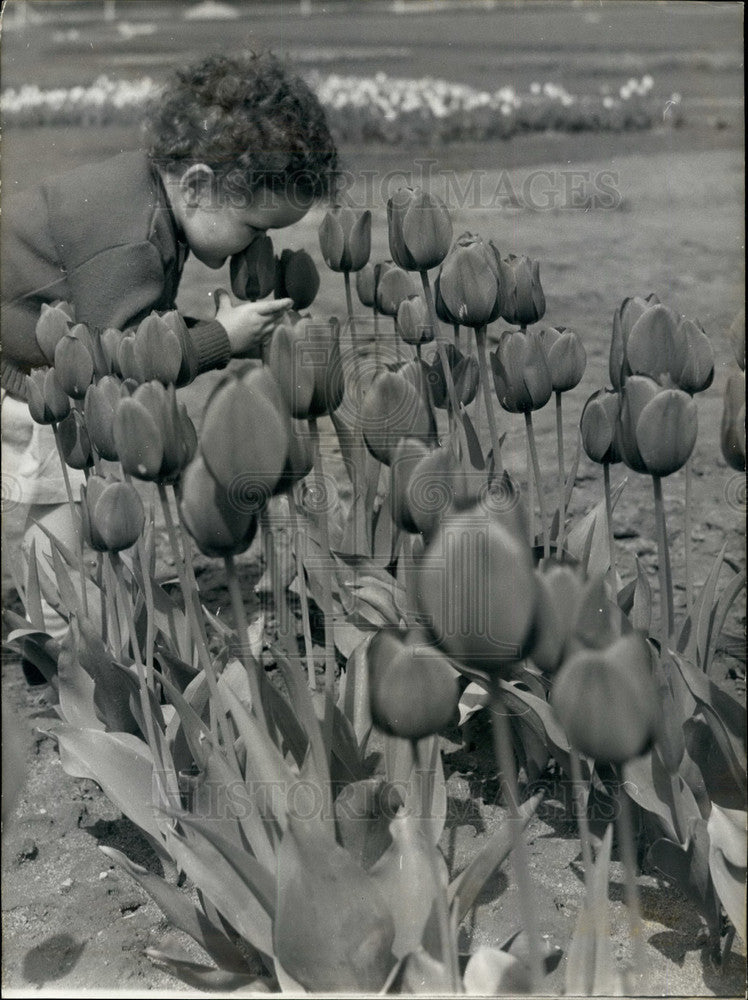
(237, 147)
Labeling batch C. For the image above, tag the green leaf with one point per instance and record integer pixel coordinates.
(538, 715)
(183, 914)
(354, 692)
(725, 602)
(203, 977)
(363, 812)
(472, 700)
(641, 613)
(590, 535)
(727, 861)
(32, 598)
(471, 438)
(76, 686)
(465, 889)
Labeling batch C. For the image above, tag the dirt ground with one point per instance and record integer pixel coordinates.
(72, 923)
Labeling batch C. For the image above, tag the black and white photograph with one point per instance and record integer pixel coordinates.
(373, 498)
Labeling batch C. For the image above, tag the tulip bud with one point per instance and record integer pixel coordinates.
(306, 363)
(598, 426)
(253, 270)
(521, 375)
(218, 524)
(666, 431)
(153, 352)
(333, 930)
(413, 688)
(300, 458)
(566, 356)
(732, 435)
(638, 390)
(469, 283)
(420, 229)
(74, 365)
(110, 340)
(393, 287)
(392, 409)
(112, 514)
(427, 485)
(624, 318)
(74, 441)
(405, 459)
(413, 321)
(465, 376)
(246, 464)
(558, 599)
(657, 345)
(296, 278)
(102, 399)
(345, 239)
(48, 402)
(153, 436)
(365, 285)
(522, 299)
(607, 700)
(53, 324)
(697, 373)
(441, 309)
(476, 591)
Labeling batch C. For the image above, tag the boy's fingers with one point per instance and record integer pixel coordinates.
(274, 305)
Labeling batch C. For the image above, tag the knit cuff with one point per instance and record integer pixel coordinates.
(212, 344)
(13, 380)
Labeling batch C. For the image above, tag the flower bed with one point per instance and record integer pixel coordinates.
(379, 108)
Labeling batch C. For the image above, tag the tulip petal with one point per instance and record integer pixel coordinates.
(666, 431)
(137, 439)
(332, 241)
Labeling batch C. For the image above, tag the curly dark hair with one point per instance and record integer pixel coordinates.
(249, 120)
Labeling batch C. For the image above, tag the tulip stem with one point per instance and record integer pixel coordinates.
(76, 519)
(112, 611)
(480, 340)
(561, 478)
(303, 598)
(538, 482)
(319, 476)
(611, 538)
(424, 772)
(189, 590)
(102, 597)
(663, 566)
(456, 328)
(577, 783)
(149, 608)
(434, 319)
(352, 323)
(377, 360)
(628, 854)
(504, 752)
(241, 625)
(689, 541)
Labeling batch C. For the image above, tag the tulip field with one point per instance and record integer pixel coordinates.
(408, 658)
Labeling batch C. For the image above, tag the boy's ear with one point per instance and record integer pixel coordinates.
(197, 183)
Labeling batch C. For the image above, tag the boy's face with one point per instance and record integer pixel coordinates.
(216, 228)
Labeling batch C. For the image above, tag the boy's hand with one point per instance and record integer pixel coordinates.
(249, 325)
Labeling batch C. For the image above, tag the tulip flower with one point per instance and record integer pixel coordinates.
(732, 432)
(420, 229)
(697, 373)
(153, 436)
(112, 514)
(656, 429)
(48, 401)
(405, 459)
(476, 591)
(152, 352)
(428, 484)
(333, 930)
(245, 441)
(110, 340)
(558, 599)
(75, 442)
(606, 700)
(465, 375)
(522, 299)
(413, 688)
(657, 345)
(393, 287)
(469, 283)
(102, 399)
(392, 408)
(366, 280)
(296, 278)
(253, 270)
(441, 309)
(306, 362)
(566, 356)
(53, 324)
(413, 321)
(520, 370)
(74, 365)
(598, 426)
(624, 318)
(219, 525)
(345, 239)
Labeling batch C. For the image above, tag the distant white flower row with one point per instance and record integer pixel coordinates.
(380, 108)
